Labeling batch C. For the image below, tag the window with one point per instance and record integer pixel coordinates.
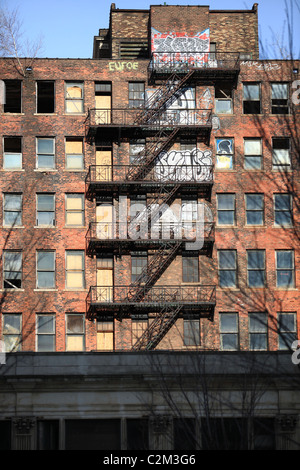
(45, 153)
(45, 275)
(12, 264)
(12, 331)
(283, 209)
(280, 95)
(12, 157)
(223, 98)
(136, 94)
(286, 330)
(187, 144)
(258, 331)
(226, 209)
(191, 332)
(285, 276)
(225, 150)
(13, 96)
(254, 209)
(75, 209)
(105, 335)
(45, 97)
(135, 147)
(74, 97)
(253, 154)
(134, 50)
(229, 331)
(138, 326)
(251, 98)
(189, 210)
(138, 263)
(137, 434)
(75, 332)
(190, 269)
(74, 153)
(281, 153)
(75, 270)
(227, 268)
(45, 215)
(12, 210)
(256, 268)
(45, 332)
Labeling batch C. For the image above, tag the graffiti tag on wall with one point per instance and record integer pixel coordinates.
(187, 165)
(259, 66)
(120, 66)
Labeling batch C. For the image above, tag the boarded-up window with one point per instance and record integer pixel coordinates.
(74, 153)
(74, 269)
(74, 98)
(74, 209)
(75, 332)
(105, 335)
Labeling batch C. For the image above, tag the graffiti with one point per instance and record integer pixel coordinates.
(296, 94)
(120, 66)
(183, 48)
(224, 153)
(188, 165)
(258, 66)
(216, 124)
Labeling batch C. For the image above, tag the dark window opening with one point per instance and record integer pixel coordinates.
(264, 434)
(5, 435)
(224, 434)
(184, 434)
(223, 96)
(47, 435)
(137, 434)
(13, 96)
(93, 434)
(45, 97)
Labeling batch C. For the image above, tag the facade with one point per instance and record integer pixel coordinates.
(150, 217)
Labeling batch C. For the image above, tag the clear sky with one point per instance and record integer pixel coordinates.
(67, 27)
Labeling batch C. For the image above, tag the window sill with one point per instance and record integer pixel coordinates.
(12, 169)
(75, 114)
(12, 227)
(45, 114)
(85, 227)
(12, 290)
(286, 289)
(78, 170)
(226, 226)
(283, 226)
(45, 226)
(45, 290)
(228, 288)
(45, 170)
(75, 289)
(13, 114)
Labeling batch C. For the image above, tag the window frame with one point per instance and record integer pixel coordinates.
(232, 210)
(74, 168)
(5, 252)
(262, 211)
(282, 166)
(247, 156)
(252, 332)
(229, 155)
(53, 155)
(38, 82)
(287, 105)
(20, 97)
(49, 212)
(143, 259)
(229, 98)
(18, 345)
(290, 211)
(190, 271)
(68, 334)
(38, 334)
(256, 269)
(81, 253)
(286, 333)
(292, 269)
(75, 211)
(39, 270)
(234, 332)
(19, 154)
(19, 212)
(191, 337)
(80, 100)
(235, 269)
(244, 100)
(132, 102)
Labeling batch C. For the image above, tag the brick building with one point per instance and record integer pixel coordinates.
(149, 203)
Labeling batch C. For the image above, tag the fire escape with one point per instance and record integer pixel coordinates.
(144, 294)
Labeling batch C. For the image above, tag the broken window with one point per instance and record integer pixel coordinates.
(45, 214)
(251, 98)
(229, 331)
(12, 156)
(256, 268)
(74, 97)
(12, 331)
(45, 332)
(223, 99)
(13, 96)
(75, 332)
(74, 153)
(253, 154)
(45, 153)
(281, 152)
(45, 272)
(12, 267)
(12, 210)
(280, 93)
(45, 97)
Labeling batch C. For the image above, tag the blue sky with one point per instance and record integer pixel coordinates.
(67, 27)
